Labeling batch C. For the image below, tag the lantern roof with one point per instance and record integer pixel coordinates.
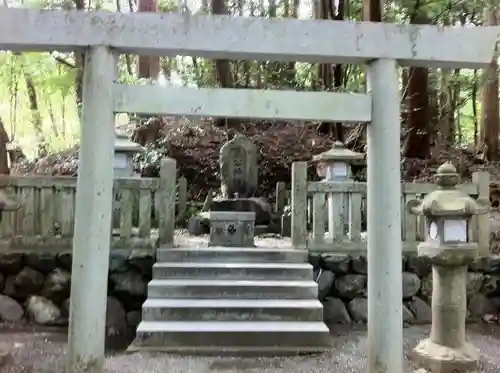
(123, 144)
(448, 200)
(339, 152)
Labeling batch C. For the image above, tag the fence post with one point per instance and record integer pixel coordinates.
(299, 205)
(482, 226)
(166, 221)
(280, 197)
(91, 239)
(182, 197)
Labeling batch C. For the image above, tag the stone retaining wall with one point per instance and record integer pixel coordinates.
(36, 287)
(342, 281)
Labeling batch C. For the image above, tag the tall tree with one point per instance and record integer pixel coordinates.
(331, 77)
(417, 141)
(489, 131)
(223, 67)
(149, 66)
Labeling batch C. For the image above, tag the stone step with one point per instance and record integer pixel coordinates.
(231, 255)
(155, 309)
(237, 336)
(233, 271)
(238, 289)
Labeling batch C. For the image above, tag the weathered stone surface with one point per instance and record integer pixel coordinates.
(494, 262)
(11, 264)
(411, 284)
(431, 357)
(116, 318)
(475, 282)
(335, 312)
(65, 261)
(480, 305)
(421, 310)
(118, 263)
(10, 310)
(10, 288)
(408, 316)
(28, 281)
(359, 264)
(42, 311)
(491, 285)
(286, 225)
(426, 288)
(42, 262)
(358, 308)
(482, 264)
(5, 357)
(198, 226)
(134, 318)
(142, 261)
(131, 283)
(337, 263)
(238, 168)
(350, 286)
(232, 229)
(420, 265)
(130, 288)
(325, 279)
(314, 260)
(262, 209)
(57, 285)
(65, 308)
(496, 303)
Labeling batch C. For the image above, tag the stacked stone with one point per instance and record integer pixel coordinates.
(342, 281)
(35, 287)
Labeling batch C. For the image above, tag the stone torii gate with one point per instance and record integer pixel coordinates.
(380, 46)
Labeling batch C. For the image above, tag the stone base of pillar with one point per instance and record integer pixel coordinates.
(435, 358)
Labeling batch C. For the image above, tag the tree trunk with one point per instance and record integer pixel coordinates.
(490, 108)
(417, 140)
(223, 69)
(331, 78)
(148, 66)
(4, 160)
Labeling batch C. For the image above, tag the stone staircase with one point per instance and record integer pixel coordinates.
(233, 301)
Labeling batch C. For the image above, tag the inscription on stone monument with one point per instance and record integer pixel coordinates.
(238, 168)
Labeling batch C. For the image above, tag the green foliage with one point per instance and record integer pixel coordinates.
(54, 77)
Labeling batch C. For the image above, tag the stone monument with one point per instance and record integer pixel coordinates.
(450, 248)
(239, 183)
(231, 229)
(238, 168)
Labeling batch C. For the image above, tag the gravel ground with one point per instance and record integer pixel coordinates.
(42, 351)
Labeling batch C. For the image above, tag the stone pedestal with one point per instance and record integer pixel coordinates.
(446, 350)
(231, 229)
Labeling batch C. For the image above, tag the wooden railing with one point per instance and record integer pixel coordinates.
(310, 218)
(46, 218)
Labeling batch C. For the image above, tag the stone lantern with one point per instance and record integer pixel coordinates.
(125, 149)
(335, 165)
(448, 245)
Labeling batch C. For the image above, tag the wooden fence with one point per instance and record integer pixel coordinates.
(308, 206)
(46, 218)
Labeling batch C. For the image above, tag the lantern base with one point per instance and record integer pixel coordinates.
(436, 358)
(449, 255)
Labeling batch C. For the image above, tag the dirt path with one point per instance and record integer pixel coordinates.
(42, 351)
